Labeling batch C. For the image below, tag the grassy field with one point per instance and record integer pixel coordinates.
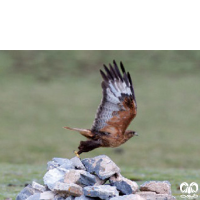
(34, 113)
(43, 91)
(16, 177)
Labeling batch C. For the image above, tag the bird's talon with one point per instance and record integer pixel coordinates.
(76, 153)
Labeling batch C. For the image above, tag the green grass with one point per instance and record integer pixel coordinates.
(15, 177)
(33, 114)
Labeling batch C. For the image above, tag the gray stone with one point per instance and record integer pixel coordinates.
(71, 198)
(159, 187)
(68, 189)
(77, 163)
(64, 163)
(101, 165)
(124, 185)
(129, 197)
(38, 186)
(164, 197)
(82, 197)
(81, 178)
(53, 176)
(60, 162)
(152, 195)
(47, 195)
(36, 196)
(26, 192)
(101, 191)
(58, 197)
(147, 195)
(52, 165)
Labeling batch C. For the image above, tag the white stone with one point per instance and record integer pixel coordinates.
(53, 176)
(77, 163)
(129, 197)
(36, 196)
(38, 186)
(47, 195)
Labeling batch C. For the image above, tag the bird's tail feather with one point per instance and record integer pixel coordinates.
(84, 132)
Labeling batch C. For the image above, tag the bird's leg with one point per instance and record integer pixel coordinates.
(76, 153)
(88, 145)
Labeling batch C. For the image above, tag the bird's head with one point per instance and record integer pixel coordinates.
(129, 134)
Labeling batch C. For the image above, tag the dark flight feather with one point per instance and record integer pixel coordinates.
(122, 67)
(117, 70)
(113, 72)
(126, 79)
(109, 75)
(103, 76)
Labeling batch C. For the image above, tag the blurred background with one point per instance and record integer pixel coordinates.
(43, 91)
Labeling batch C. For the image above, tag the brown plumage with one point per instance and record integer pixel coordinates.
(116, 111)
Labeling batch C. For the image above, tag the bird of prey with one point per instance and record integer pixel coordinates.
(117, 109)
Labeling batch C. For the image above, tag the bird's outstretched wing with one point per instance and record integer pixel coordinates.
(118, 106)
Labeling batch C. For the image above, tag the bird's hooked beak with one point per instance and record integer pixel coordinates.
(136, 134)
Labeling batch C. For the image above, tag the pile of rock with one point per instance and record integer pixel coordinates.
(91, 178)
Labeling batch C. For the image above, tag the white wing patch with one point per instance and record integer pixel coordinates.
(110, 103)
(126, 89)
(111, 97)
(115, 88)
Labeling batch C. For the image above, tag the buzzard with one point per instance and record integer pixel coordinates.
(117, 109)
